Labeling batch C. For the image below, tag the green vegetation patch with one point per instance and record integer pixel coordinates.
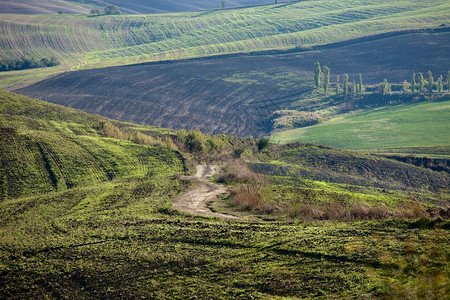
(411, 125)
(47, 148)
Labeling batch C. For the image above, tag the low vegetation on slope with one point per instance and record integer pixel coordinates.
(48, 148)
(113, 233)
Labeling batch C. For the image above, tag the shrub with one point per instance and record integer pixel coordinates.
(110, 130)
(112, 10)
(95, 12)
(195, 141)
(238, 152)
(237, 171)
(263, 143)
(293, 118)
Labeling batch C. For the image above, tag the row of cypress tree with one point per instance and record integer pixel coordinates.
(417, 85)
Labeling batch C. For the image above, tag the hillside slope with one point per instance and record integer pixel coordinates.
(86, 216)
(116, 40)
(235, 95)
(34, 7)
(45, 148)
(38, 7)
(401, 126)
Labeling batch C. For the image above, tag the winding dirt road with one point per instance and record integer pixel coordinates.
(196, 200)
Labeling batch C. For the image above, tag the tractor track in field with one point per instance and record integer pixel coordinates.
(196, 200)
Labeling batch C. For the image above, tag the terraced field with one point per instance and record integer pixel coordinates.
(401, 126)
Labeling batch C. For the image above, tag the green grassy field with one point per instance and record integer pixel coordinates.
(83, 215)
(88, 42)
(424, 124)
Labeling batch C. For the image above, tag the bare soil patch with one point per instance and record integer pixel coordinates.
(196, 201)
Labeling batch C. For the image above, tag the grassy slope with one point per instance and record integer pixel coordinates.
(130, 39)
(48, 148)
(308, 174)
(120, 239)
(401, 126)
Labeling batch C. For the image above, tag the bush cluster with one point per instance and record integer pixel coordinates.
(294, 119)
(26, 63)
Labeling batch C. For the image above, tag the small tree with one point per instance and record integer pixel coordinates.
(195, 141)
(385, 88)
(326, 78)
(421, 82)
(95, 12)
(361, 86)
(354, 88)
(430, 82)
(317, 74)
(448, 81)
(413, 83)
(222, 4)
(405, 86)
(439, 84)
(112, 10)
(345, 85)
(337, 84)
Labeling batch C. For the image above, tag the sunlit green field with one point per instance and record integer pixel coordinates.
(410, 125)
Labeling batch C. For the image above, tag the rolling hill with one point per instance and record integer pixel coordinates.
(87, 204)
(34, 7)
(84, 215)
(47, 148)
(235, 95)
(401, 126)
(88, 42)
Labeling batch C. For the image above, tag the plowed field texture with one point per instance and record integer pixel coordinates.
(237, 95)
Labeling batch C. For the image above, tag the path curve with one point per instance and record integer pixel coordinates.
(196, 200)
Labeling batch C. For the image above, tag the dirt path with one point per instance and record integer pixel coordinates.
(196, 200)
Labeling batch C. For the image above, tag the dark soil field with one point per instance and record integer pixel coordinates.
(235, 95)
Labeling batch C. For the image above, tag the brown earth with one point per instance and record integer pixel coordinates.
(236, 95)
(196, 201)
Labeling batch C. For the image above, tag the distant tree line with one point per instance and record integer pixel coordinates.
(109, 10)
(418, 83)
(26, 63)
